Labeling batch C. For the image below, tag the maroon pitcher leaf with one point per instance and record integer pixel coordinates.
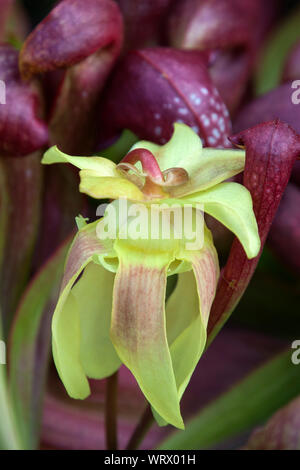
(211, 24)
(72, 31)
(21, 129)
(84, 38)
(230, 28)
(150, 92)
(143, 21)
(277, 103)
(271, 149)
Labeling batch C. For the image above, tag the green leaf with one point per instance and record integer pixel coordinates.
(9, 433)
(247, 404)
(9, 438)
(274, 54)
(30, 346)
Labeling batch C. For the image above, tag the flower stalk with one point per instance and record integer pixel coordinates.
(111, 412)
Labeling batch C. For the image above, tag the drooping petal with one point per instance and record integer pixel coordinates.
(188, 309)
(66, 347)
(93, 294)
(231, 204)
(138, 328)
(187, 313)
(111, 187)
(66, 318)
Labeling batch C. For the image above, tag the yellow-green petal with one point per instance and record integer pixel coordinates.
(231, 204)
(183, 150)
(188, 311)
(66, 347)
(138, 328)
(214, 166)
(93, 295)
(108, 187)
(102, 166)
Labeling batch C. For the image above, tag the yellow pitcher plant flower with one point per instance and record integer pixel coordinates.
(111, 308)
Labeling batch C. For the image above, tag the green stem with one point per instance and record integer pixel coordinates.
(141, 430)
(111, 407)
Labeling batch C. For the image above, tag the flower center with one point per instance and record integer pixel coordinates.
(151, 180)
